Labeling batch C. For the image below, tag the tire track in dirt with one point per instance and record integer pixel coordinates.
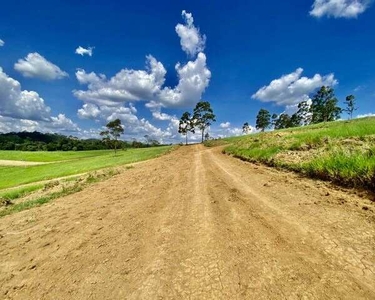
(194, 224)
(285, 252)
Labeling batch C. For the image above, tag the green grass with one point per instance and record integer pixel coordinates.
(14, 176)
(14, 208)
(341, 151)
(44, 156)
(344, 168)
(20, 192)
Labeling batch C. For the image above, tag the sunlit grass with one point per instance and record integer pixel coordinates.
(45, 156)
(14, 176)
(341, 151)
(20, 192)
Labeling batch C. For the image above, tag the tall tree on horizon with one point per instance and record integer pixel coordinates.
(324, 106)
(246, 128)
(113, 132)
(186, 125)
(263, 119)
(304, 114)
(203, 116)
(350, 105)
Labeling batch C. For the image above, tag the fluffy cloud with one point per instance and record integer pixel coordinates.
(36, 66)
(225, 125)
(18, 103)
(135, 85)
(194, 78)
(127, 85)
(1, 43)
(366, 115)
(339, 8)
(192, 42)
(88, 111)
(25, 110)
(134, 127)
(161, 116)
(83, 51)
(62, 123)
(225, 130)
(291, 89)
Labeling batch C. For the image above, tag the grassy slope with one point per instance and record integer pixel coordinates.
(343, 151)
(44, 156)
(13, 176)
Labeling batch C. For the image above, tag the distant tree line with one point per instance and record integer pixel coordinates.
(201, 118)
(37, 141)
(323, 108)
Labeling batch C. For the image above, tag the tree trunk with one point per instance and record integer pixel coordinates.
(115, 146)
(186, 139)
(202, 135)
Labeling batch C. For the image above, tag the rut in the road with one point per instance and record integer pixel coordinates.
(194, 224)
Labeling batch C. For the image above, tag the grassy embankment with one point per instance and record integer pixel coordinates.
(67, 163)
(343, 151)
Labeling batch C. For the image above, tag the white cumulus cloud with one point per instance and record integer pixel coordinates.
(194, 78)
(88, 111)
(25, 110)
(192, 42)
(225, 125)
(35, 65)
(366, 115)
(83, 51)
(339, 8)
(126, 85)
(147, 85)
(1, 43)
(291, 89)
(18, 103)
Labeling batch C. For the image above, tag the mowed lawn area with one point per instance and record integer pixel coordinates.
(44, 156)
(67, 163)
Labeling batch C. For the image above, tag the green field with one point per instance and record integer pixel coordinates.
(68, 163)
(341, 151)
(43, 156)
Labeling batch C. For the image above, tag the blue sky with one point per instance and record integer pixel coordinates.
(238, 55)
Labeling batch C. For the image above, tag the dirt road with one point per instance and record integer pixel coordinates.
(20, 163)
(194, 224)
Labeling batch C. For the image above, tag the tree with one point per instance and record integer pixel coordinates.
(186, 125)
(324, 106)
(203, 116)
(246, 129)
(294, 121)
(283, 121)
(113, 132)
(304, 114)
(150, 141)
(206, 136)
(263, 119)
(274, 118)
(350, 105)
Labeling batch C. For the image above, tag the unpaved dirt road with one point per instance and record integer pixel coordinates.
(193, 224)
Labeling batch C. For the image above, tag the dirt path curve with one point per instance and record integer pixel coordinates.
(194, 224)
(20, 163)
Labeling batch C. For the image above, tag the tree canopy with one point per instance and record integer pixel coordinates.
(263, 120)
(203, 116)
(113, 133)
(186, 125)
(324, 106)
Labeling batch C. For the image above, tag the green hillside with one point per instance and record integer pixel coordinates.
(341, 151)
